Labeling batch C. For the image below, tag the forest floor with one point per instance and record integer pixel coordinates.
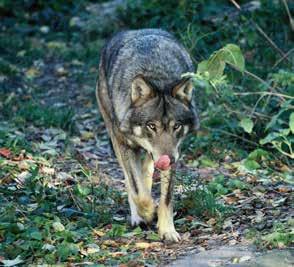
(62, 192)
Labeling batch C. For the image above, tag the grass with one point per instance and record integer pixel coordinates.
(33, 113)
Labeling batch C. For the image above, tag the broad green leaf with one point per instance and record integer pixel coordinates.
(247, 125)
(202, 67)
(251, 164)
(291, 122)
(284, 132)
(258, 154)
(232, 54)
(269, 138)
(36, 235)
(212, 68)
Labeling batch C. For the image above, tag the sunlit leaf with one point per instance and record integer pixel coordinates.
(247, 124)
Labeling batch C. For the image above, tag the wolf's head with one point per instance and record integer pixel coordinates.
(158, 121)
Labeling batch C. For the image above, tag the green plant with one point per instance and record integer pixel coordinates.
(32, 112)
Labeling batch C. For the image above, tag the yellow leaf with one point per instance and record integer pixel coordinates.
(32, 72)
(87, 135)
(98, 233)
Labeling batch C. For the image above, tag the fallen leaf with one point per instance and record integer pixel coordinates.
(146, 245)
(5, 152)
(98, 233)
(211, 221)
(8, 263)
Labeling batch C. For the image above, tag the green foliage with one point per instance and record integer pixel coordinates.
(14, 142)
(202, 203)
(222, 185)
(53, 221)
(280, 130)
(281, 235)
(32, 113)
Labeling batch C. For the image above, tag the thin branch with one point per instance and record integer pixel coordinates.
(282, 58)
(269, 39)
(234, 135)
(265, 93)
(289, 14)
(252, 75)
(259, 29)
(235, 4)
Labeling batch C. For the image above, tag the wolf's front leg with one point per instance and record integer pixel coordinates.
(165, 222)
(139, 193)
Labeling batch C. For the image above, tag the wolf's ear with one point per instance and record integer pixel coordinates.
(141, 91)
(184, 90)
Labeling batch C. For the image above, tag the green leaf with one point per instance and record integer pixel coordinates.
(269, 138)
(206, 162)
(83, 190)
(251, 165)
(247, 125)
(117, 230)
(232, 54)
(36, 235)
(258, 154)
(66, 249)
(58, 227)
(202, 66)
(291, 122)
(153, 236)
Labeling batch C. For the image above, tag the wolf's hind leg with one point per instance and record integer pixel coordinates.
(165, 222)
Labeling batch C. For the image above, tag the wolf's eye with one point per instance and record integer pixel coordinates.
(177, 126)
(151, 126)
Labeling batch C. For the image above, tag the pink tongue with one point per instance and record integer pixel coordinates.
(163, 163)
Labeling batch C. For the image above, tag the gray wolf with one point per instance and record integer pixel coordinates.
(148, 110)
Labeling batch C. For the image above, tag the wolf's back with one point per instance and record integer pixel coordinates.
(152, 53)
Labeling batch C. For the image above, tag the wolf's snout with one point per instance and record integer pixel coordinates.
(163, 163)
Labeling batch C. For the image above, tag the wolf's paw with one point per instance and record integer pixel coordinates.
(169, 235)
(145, 208)
(136, 220)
